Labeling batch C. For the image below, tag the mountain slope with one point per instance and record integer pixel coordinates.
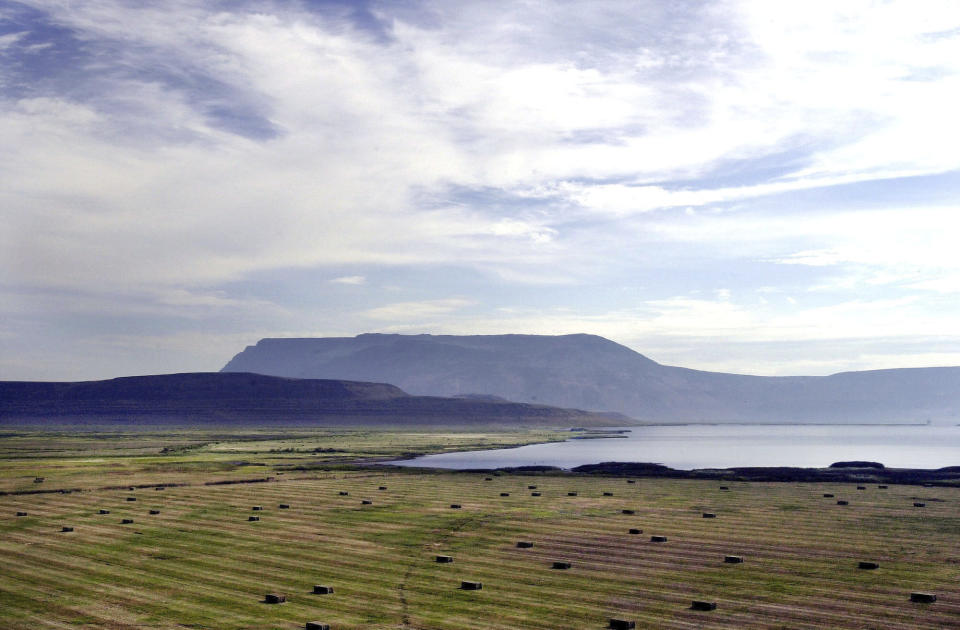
(590, 372)
(242, 398)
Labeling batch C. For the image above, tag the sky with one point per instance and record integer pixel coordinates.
(749, 186)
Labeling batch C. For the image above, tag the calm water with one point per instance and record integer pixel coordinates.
(725, 446)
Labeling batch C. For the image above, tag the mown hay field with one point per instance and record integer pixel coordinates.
(201, 563)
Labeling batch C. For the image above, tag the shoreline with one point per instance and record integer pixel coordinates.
(947, 476)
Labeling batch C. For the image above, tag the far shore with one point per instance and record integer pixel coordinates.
(948, 476)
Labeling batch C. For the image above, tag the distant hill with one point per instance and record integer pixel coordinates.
(593, 373)
(255, 399)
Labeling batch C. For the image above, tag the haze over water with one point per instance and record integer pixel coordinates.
(687, 447)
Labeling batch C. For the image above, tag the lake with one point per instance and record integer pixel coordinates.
(686, 447)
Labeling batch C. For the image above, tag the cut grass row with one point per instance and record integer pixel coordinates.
(201, 563)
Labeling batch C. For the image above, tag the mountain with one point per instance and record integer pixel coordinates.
(593, 373)
(255, 399)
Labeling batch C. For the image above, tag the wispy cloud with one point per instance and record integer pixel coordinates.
(353, 280)
(616, 157)
(415, 312)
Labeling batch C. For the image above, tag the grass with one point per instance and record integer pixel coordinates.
(201, 564)
(167, 457)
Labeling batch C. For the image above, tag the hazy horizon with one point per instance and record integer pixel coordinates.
(219, 368)
(737, 186)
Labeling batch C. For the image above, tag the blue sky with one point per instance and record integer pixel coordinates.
(758, 187)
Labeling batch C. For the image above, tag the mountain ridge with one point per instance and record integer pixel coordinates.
(256, 399)
(590, 372)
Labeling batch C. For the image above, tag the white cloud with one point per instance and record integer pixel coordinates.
(351, 280)
(854, 66)
(946, 282)
(8, 40)
(512, 227)
(367, 124)
(183, 298)
(905, 247)
(615, 139)
(813, 258)
(415, 312)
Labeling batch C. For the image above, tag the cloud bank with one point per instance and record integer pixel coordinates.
(743, 186)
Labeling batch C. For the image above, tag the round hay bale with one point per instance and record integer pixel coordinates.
(344, 493)
(702, 605)
(634, 530)
(455, 506)
(918, 504)
(842, 502)
(733, 559)
(923, 598)
(104, 511)
(559, 564)
(628, 511)
(66, 529)
(504, 494)
(317, 625)
(21, 513)
(253, 518)
(126, 521)
(709, 515)
(608, 494)
(322, 589)
(257, 508)
(488, 478)
(861, 487)
(622, 624)
(882, 487)
(828, 495)
(534, 494)
(284, 506)
(658, 539)
(524, 544)
(868, 565)
(471, 586)
(131, 498)
(531, 487)
(154, 512)
(382, 488)
(274, 598)
(631, 481)
(444, 559)
(571, 494)
(724, 487)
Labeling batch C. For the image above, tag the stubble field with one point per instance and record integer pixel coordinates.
(199, 562)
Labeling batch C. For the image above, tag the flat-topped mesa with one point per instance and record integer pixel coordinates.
(592, 373)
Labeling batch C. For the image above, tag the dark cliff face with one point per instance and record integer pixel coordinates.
(255, 399)
(590, 372)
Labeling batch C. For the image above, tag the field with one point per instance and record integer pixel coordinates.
(201, 563)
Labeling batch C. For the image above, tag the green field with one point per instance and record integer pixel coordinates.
(200, 563)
